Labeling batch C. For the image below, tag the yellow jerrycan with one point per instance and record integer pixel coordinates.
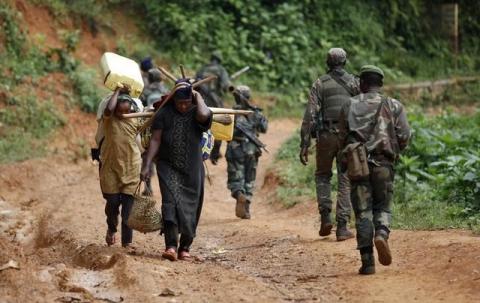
(117, 68)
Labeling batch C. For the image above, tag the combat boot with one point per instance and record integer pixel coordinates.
(368, 264)
(383, 250)
(342, 231)
(247, 210)
(325, 224)
(240, 207)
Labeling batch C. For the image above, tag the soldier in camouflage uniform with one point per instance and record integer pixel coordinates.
(155, 88)
(242, 154)
(213, 91)
(380, 123)
(328, 94)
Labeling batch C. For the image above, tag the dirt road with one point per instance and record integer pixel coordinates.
(52, 224)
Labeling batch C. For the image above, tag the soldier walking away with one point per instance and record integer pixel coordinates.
(243, 152)
(214, 91)
(155, 89)
(380, 124)
(327, 95)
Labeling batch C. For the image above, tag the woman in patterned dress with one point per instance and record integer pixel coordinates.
(176, 134)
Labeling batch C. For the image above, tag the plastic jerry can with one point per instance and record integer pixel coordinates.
(117, 68)
(223, 132)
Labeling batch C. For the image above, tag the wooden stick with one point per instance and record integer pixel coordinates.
(182, 70)
(218, 114)
(200, 82)
(169, 76)
(138, 115)
(218, 110)
(222, 119)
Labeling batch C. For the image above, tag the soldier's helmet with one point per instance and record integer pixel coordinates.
(154, 75)
(336, 56)
(217, 55)
(244, 91)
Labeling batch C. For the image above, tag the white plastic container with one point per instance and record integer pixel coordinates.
(121, 69)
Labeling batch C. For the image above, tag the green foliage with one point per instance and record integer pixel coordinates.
(285, 42)
(437, 182)
(444, 155)
(84, 8)
(295, 180)
(88, 93)
(29, 121)
(26, 122)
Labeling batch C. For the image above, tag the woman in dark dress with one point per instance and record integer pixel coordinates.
(176, 134)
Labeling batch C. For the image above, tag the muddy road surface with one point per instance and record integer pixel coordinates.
(52, 225)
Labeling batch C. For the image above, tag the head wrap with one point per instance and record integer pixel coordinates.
(183, 89)
(336, 56)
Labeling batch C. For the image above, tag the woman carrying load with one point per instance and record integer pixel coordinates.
(176, 135)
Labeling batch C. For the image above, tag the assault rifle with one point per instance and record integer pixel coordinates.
(251, 137)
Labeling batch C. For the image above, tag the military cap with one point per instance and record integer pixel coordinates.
(244, 91)
(336, 56)
(371, 69)
(217, 55)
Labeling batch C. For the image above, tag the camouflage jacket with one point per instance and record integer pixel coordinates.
(153, 92)
(218, 86)
(390, 132)
(254, 123)
(315, 100)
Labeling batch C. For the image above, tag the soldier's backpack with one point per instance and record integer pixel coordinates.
(356, 154)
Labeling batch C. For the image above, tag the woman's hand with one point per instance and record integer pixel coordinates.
(145, 173)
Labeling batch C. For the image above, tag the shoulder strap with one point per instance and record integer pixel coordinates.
(343, 84)
(383, 102)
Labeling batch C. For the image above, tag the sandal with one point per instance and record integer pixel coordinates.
(110, 238)
(185, 256)
(170, 254)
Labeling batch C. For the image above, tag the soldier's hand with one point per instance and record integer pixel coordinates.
(304, 155)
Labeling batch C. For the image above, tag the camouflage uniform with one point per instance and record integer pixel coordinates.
(242, 155)
(321, 118)
(155, 88)
(213, 91)
(372, 197)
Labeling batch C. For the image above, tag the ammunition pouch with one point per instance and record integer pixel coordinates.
(355, 158)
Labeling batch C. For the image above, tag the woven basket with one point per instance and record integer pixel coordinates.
(144, 217)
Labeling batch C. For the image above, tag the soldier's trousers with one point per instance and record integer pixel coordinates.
(372, 203)
(242, 172)
(327, 150)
